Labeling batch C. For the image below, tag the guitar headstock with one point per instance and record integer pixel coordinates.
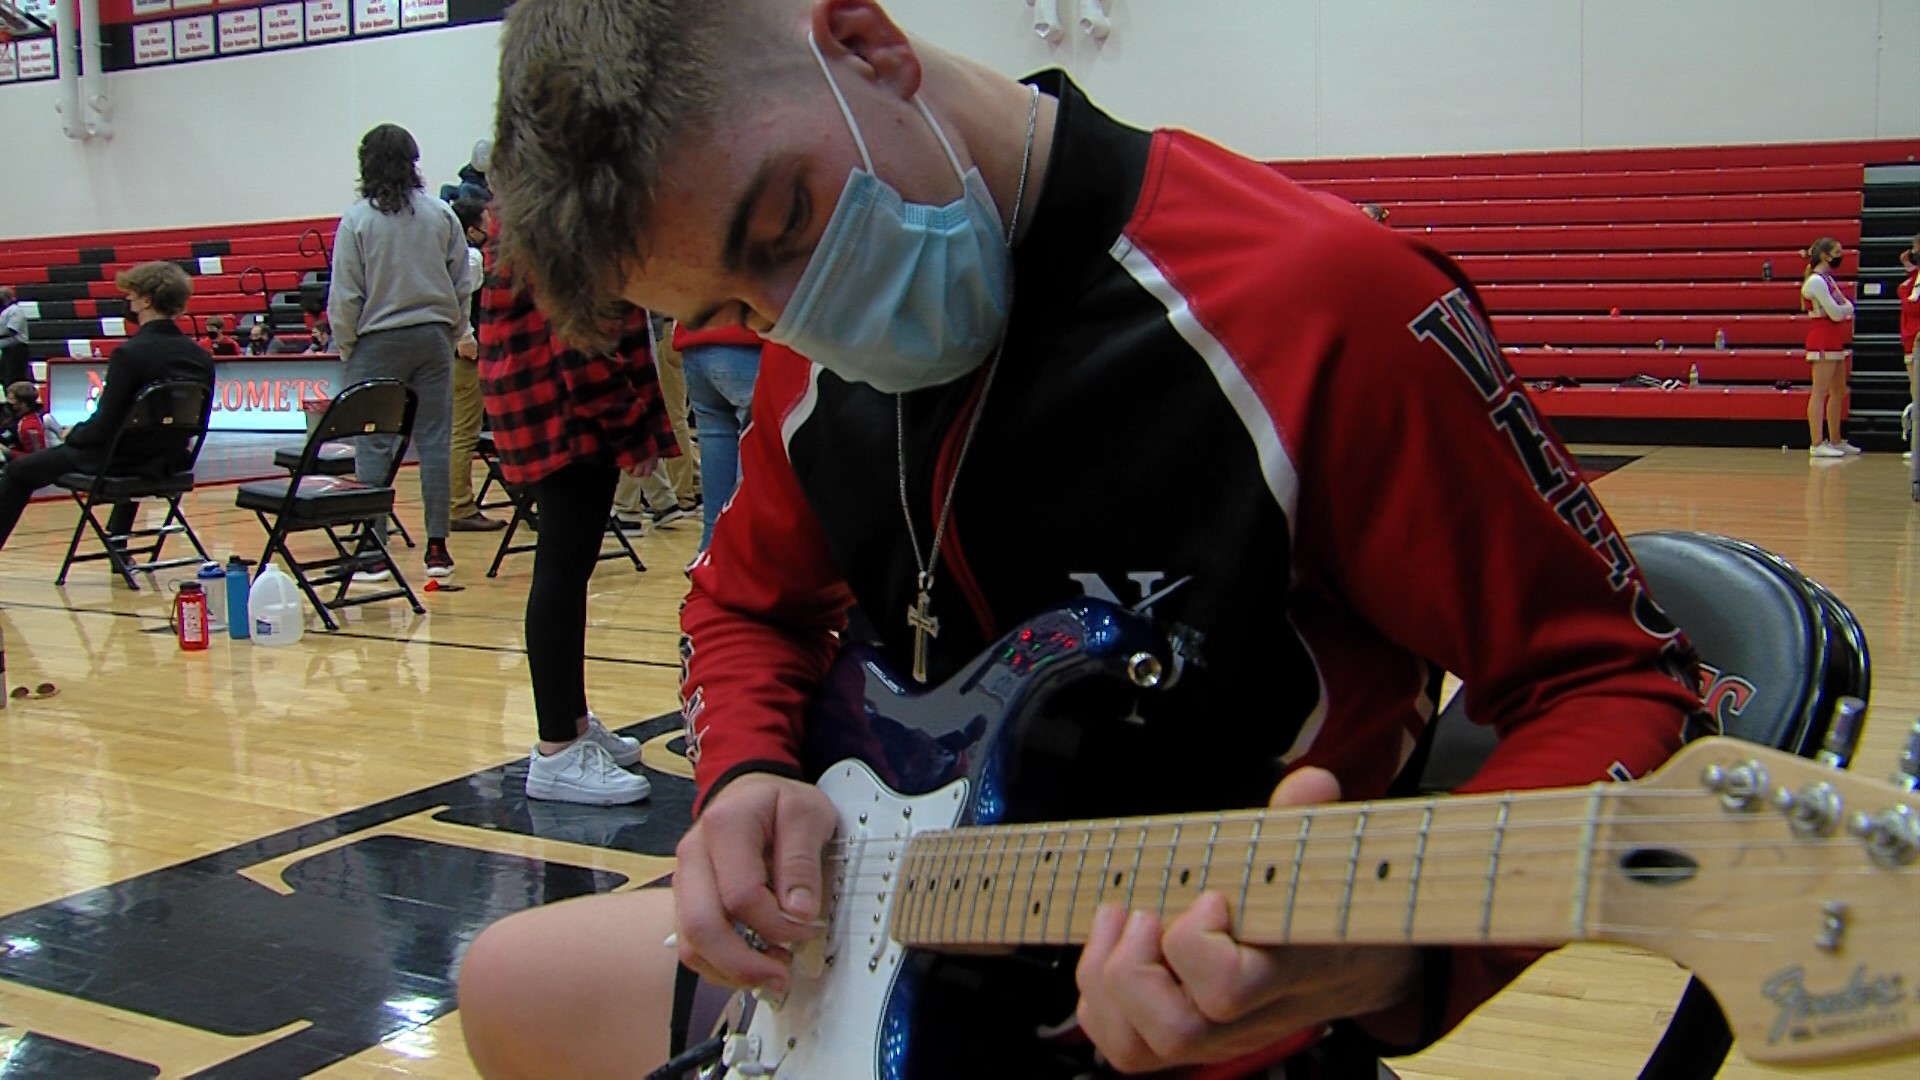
(1788, 886)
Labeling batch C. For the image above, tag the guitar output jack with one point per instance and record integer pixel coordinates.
(1144, 670)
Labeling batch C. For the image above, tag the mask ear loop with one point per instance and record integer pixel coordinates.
(939, 133)
(845, 111)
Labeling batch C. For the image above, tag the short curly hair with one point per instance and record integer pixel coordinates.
(164, 284)
(593, 95)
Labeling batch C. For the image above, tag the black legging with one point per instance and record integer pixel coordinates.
(573, 506)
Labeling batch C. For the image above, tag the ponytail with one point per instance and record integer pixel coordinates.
(1820, 251)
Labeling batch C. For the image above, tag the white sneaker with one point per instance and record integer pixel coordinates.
(1907, 456)
(368, 577)
(1846, 447)
(583, 773)
(624, 751)
(1826, 450)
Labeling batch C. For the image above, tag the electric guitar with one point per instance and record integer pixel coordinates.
(1788, 887)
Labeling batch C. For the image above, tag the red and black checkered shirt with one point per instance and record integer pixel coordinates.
(552, 404)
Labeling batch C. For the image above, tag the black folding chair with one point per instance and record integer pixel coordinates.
(490, 455)
(179, 408)
(525, 512)
(308, 500)
(336, 459)
(1779, 650)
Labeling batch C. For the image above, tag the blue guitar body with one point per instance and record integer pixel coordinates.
(1000, 741)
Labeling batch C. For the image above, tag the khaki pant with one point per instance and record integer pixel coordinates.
(683, 472)
(467, 412)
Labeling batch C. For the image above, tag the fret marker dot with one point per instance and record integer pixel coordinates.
(1117, 877)
(1269, 875)
(984, 882)
(1036, 907)
(956, 884)
(1047, 857)
(1381, 871)
(1183, 877)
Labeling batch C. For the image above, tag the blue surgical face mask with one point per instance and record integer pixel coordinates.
(898, 295)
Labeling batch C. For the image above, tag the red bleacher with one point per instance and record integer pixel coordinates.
(1600, 266)
(1638, 238)
(237, 269)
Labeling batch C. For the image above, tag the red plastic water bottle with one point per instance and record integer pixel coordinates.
(190, 616)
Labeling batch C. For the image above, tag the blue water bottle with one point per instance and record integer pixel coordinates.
(239, 623)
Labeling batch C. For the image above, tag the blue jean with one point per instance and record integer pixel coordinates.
(720, 392)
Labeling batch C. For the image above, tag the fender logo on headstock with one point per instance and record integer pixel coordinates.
(1863, 1004)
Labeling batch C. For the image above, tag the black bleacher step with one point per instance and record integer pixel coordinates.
(56, 309)
(53, 292)
(98, 256)
(68, 328)
(211, 249)
(82, 272)
(1891, 196)
(1892, 223)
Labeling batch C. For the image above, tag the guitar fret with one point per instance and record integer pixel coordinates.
(1073, 897)
(1033, 882)
(1419, 860)
(1353, 866)
(1106, 863)
(929, 885)
(964, 932)
(1206, 861)
(1493, 866)
(1293, 880)
(956, 847)
(1006, 906)
(991, 891)
(1166, 874)
(1584, 881)
(1139, 849)
(1246, 879)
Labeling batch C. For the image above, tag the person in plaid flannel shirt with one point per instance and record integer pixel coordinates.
(567, 422)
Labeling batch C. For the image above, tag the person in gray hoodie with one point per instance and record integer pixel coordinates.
(395, 306)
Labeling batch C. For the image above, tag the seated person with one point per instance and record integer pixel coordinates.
(259, 339)
(322, 341)
(218, 341)
(25, 430)
(1188, 312)
(156, 293)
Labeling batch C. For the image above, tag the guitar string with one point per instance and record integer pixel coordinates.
(980, 842)
(1336, 812)
(1471, 866)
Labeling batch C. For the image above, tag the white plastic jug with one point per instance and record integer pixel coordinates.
(277, 608)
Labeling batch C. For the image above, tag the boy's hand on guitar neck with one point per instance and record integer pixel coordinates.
(753, 859)
(1153, 997)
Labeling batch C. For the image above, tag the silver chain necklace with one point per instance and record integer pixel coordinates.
(919, 617)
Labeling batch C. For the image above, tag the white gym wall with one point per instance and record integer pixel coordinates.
(273, 135)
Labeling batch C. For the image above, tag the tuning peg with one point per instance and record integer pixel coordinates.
(1843, 734)
(1908, 777)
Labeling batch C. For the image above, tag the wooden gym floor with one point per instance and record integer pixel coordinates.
(259, 862)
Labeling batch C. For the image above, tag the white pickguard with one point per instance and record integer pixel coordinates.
(828, 1025)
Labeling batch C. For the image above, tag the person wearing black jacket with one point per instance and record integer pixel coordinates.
(156, 292)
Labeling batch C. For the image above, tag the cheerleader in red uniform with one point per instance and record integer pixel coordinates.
(1909, 331)
(1827, 341)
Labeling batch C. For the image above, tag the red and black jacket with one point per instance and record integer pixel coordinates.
(1210, 373)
